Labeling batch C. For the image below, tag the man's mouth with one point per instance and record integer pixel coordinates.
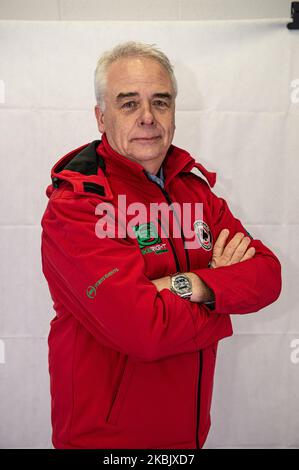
(147, 140)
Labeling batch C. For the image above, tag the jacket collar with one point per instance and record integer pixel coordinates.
(176, 161)
(85, 168)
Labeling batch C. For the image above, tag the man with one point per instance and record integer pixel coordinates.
(140, 302)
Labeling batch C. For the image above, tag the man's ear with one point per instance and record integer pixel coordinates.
(100, 118)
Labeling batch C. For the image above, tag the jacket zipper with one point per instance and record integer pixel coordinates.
(200, 355)
(177, 263)
(169, 202)
(166, 195)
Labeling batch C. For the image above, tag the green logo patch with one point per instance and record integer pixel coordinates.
(146, 234)
(148, 239)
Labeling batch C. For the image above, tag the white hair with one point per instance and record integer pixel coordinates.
(128, 49)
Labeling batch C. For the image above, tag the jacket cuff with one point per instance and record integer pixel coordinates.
(207, 275)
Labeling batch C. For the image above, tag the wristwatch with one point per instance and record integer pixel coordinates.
(181, 285)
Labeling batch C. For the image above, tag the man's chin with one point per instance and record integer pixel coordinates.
(146, 152)
(146, 156)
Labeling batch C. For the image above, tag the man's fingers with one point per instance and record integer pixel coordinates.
(220, 243)
(232, 246)
(249, 254)
(240, 250)
(234, 252)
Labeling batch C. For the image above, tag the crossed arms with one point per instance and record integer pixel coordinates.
(235, 251)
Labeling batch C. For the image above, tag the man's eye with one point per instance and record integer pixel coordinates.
(161, 104)
(129, 105)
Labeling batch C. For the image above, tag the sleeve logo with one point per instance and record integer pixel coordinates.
(203, 234)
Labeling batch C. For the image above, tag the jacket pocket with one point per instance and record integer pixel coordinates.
(119, 398)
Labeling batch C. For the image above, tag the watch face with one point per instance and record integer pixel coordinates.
(182, 284)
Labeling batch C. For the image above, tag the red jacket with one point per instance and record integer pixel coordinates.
(131, 367)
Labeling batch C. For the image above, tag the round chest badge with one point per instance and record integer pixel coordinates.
(203, 234)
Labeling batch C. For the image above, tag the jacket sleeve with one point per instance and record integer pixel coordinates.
(101, 282)
(243, 287)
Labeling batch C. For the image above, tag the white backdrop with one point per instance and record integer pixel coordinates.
(238, 114)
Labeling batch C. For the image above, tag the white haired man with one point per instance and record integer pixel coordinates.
(141, 302)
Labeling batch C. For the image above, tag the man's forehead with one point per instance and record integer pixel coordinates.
(126, 74)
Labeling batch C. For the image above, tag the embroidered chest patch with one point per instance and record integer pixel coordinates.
(148, 239)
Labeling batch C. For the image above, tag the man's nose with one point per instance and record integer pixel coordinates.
(146, 116)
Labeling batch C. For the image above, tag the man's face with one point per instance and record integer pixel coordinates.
(139, 115)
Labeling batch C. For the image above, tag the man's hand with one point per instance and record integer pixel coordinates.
(234, 252)
(162, 283)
